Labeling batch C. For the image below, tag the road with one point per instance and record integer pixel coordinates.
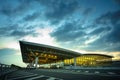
(61, 74)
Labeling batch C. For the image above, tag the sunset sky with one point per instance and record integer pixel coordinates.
(85, 26)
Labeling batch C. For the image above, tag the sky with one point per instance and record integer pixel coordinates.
(85, 26)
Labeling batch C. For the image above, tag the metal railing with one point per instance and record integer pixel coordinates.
(5, 69)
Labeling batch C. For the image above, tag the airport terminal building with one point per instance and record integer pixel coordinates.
(34, 54)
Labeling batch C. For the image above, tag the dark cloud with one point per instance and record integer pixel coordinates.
(5, 31)
(6, 7)
(117, 1)
(17, 31)
(73, 15)
(7, 51)
(59, 9)
(51, 10)
(32, 17)
(101, 44)
(114, 36)
(114, 20)
(63, 9)
(6, 11)
(106, 28)
(68, 32)
(109, 25)
(14, 7)
(100, 30)
(112, 17)
(87, 11)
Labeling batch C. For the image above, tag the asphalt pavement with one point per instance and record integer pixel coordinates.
(63, 74)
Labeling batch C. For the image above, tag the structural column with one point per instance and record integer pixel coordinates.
(31, 65)
(36, 62)
(74, 61)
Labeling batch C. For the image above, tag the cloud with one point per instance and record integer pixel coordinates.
(87, 11)
(59, 11)
(48, 10)
(20, 11)
(74, 23)
(20, 33)
(60, 8)
(100, 30)
(112, 19)
(7, 51)
(17, 31)
(56, 11)
(11, 56)
(117, 1)
(14, 7)
(68, 32)
(101, 35)
(32, 17)
(108, 28)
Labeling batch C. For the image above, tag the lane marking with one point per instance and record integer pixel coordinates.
(97, 72)
(53, 78)
(78, 71)
(87, 71)
(111, 73)
(23, 77)
(35, 77)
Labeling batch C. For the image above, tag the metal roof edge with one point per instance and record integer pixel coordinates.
(98, 54)
(49, 46)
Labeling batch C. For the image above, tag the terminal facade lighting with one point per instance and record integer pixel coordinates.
(34, 54)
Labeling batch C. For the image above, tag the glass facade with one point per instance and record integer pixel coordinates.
(89, 60)
(83, 60)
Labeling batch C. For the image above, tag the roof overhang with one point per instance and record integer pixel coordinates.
(95, 54)
(29, 50)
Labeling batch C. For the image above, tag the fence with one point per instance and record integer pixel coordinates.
(6, 69)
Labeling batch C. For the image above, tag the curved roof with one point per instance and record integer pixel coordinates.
(27, 47)
(30, 49)
(99, 55)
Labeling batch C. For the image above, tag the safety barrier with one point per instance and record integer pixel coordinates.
(5, 69)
